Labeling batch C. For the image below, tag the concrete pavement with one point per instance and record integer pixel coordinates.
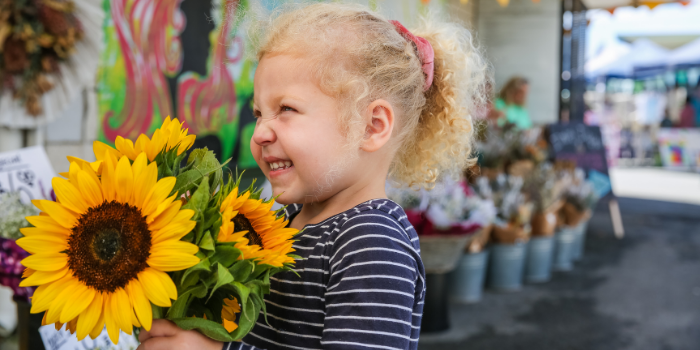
(638, 293)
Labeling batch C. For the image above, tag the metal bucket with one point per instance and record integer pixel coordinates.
(540, 252)
(467, 280)
(506, 266)
(564, 248)
(580, 242)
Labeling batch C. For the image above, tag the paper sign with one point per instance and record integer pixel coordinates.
(27, 171)
(63, 340)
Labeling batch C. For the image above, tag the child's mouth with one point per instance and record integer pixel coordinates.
(280, 165)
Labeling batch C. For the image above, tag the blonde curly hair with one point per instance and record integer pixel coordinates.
(359, 57)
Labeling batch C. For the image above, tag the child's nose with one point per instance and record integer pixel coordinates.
(264, 134)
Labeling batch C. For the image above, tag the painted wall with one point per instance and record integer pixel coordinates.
(524, 39)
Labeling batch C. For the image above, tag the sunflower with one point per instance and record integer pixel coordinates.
(100, 253)
(228, 314)
(168, 136)
(257, 231)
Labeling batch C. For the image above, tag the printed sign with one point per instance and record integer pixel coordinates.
(679, 148)
(27, 171)
(580, 143)
(63, 340)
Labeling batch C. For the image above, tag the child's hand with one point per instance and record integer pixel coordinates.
(165, 335)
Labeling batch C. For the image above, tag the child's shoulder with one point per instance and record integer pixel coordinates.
(377, 215)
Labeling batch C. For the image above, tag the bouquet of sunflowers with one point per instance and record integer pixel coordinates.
(148, 231)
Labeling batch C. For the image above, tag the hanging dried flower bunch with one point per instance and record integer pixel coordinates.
(35, 35)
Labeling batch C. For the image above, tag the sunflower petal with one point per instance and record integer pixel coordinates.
(110, 319)
(142, 307)
(158, 194)
(79, 302)
(72, 288)
(58, 212)
(90, 189)
(46, 262)
(161, 208)
(109, 192)
(144, 184)
(174, 230)
(124, 180)
(69, 195)
(89, 317)
(173, 246)
(45, 224)
(100, 325)
(121, 310)
(47, 293)
(165, 217)
(43, 244)
(140, 164)
(172, 261)
(168, 284)
(154, 290)
(99, 148)
(38, 278)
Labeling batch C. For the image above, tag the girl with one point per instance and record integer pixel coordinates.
(345, 99)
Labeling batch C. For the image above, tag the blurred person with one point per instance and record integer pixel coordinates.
(511, 101)
(688, 114)
(666, 122)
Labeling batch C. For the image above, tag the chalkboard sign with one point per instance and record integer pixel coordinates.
(580, 143)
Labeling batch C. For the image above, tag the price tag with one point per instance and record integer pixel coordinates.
(63, 340)
(27, 171)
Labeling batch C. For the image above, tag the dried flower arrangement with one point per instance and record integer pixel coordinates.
(35, 35)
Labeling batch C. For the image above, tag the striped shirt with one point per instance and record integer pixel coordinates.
(362, 285)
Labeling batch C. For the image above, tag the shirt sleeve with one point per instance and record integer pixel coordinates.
(372, 288)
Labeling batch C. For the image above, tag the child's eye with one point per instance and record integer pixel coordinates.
(257, 113)
(287, 109)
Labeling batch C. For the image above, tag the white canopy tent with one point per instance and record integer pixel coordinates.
(687, 55)
(620, 61)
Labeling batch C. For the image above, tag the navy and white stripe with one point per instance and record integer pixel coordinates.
(362, 285)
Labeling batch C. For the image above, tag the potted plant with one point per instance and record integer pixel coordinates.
(475, 218)
(570, 216)
(544, 191)
(510, 231)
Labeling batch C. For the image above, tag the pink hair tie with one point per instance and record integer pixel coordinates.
(425, 53)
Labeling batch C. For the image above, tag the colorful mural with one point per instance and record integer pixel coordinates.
(186, 59)
(146, 75)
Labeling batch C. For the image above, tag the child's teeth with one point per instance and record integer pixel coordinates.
(280, 165)
(288, 164)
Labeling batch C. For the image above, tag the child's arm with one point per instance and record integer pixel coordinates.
(375, 290)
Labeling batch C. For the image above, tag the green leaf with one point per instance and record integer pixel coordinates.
(180, 305)
(207, 242)
(209, 328)
(157, 311)
(199, 199)
(241, 270)
(178, 162)
(204, 163)
(246, 324)
(210, 216)
(243, 293)
(225, 255)
(222, 277)
(203, 265)
(257, 297)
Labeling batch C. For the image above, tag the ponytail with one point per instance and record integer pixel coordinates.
(441, 143)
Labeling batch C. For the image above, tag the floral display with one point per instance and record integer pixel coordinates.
(12, 215)
(136, 235)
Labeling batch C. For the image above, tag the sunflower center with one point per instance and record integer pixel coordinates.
(106, 244)
(109, 246)
(242, 223)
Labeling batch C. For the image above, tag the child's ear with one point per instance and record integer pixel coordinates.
(379, 125)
